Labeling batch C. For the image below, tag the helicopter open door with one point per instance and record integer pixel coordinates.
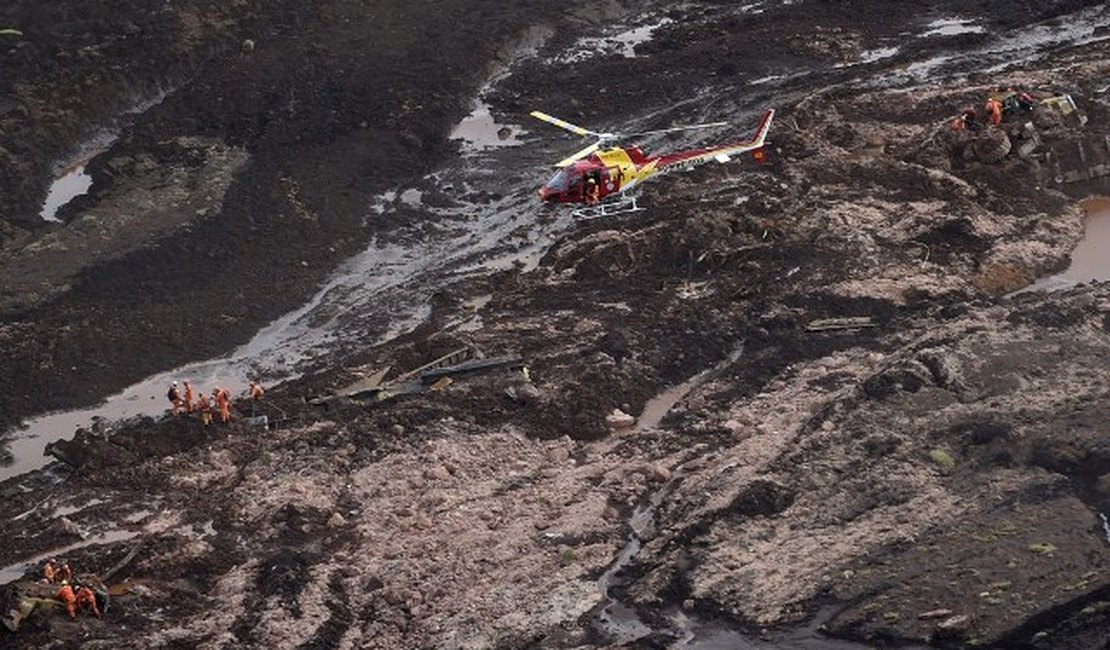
(611, 179)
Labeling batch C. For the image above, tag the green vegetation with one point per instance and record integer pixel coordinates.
(568, 557)
(1043, 548)
(942, 458)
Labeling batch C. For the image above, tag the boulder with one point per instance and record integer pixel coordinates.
(618, 420)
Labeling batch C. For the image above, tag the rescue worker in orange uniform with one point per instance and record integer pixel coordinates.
(188, 397)
(86, 598)
(66, 595)
(63, 573)
(593, 192)
(255, 393)
(205, 409)
(994, 111)
(48, 571)
(223, 401)
(174, 395)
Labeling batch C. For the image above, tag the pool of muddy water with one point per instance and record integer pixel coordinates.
(65, 188)
(1090, 260)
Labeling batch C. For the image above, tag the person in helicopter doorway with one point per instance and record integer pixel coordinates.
(593, 191)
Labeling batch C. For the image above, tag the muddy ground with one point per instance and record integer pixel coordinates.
(934, 478)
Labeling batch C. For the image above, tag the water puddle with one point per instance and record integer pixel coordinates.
(623, 43)
(65, 511)
(65, 188)
(480, 131)
(70, 179)
(16, 571)
(1010, 49)
(373, 297)
(952, 27)
(658, 407)
(1089, 260)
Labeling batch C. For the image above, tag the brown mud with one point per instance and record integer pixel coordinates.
(936, 478)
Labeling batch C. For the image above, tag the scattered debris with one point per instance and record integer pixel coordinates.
(847, 323)
(435, 375)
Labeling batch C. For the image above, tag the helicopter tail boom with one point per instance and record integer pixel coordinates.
(722, 153)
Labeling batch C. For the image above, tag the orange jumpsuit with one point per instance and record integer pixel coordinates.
(203, 408)
(994, 109)
(224, 403)
(188, 397)
(593, 193)
(65, 594)
(86, 598)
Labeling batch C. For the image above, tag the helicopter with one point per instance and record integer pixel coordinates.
(600, 179)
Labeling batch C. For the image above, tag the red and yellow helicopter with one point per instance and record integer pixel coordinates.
(600, 179)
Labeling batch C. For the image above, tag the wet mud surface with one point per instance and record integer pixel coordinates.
(933, 479)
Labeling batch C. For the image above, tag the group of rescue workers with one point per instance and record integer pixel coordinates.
(182, 401)
(72, 595)
(999, 107)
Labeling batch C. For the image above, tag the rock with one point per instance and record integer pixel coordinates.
(660, 474)
(618, 420)
(735, 427)
(954, 626)
(202, 212)
(393, 596)
(1103, 485)
(439, 472)
(248, 45)
(336, 521)
(935, 613)
(397, 430)
(557, 455)
(67, 526)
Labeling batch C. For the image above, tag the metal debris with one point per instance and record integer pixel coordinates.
(847, 323)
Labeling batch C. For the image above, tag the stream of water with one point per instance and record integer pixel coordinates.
(375, 296)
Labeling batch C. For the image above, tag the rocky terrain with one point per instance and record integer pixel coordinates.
(934, 473)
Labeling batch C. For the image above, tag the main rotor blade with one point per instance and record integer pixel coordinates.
(708, 125)
(563, 124)
(578, 155)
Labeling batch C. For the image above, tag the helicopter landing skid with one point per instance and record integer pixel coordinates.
(608, 209)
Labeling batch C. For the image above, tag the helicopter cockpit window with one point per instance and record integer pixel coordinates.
(559, 182)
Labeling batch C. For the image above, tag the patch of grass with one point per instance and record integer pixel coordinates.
(568, 557)
(1044, 548)
(942, 458)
